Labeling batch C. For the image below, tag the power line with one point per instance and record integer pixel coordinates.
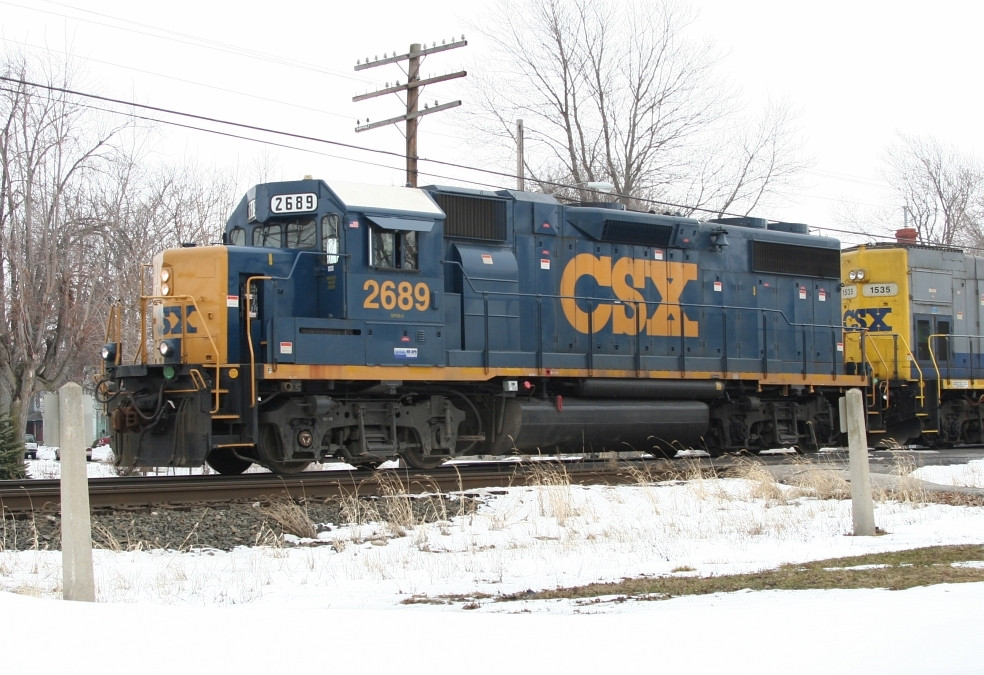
(182, 38)
(203, 118)
(185, 38)
(179, 79)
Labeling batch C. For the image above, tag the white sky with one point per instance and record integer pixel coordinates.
(303, 608)
(858, 72)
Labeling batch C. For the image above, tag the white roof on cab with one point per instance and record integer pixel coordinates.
(389, 197)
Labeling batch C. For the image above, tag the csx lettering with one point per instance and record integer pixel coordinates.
(873, 319)
(627, 277)
(173, 322)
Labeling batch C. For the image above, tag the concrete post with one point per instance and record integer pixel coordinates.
(78, 582)
(857, 442)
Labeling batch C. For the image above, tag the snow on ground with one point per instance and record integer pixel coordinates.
(338, 602)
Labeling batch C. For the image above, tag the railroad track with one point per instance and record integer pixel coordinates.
(18, 497)
(33, 496)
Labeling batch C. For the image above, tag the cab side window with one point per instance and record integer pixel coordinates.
(922, 340)
(394, 249)
(267, 235)
(301, 234)
(329, 237)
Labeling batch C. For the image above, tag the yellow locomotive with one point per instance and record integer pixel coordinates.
(913, 324)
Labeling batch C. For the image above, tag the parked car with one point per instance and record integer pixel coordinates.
(88, 451)
(30, 446)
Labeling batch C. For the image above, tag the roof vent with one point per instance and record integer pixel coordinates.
(907, 235)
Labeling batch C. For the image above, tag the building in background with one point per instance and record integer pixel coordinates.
(49, 425)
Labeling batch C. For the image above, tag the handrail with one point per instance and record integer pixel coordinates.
(145, 299)
(936, 367)
(249, 337)
(869, 338)
(471, 284)
(143, 317)
(114, 331)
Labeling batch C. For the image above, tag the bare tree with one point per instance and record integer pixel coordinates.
(152, 210)
(941, 188)
(81, 213)
(741, 170)
(51, 149)
(613, 92)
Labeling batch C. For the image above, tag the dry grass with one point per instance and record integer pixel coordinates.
(553, 492)
(819, 479)
(291, 516)
(791, 507)
(895, 571)
(13, 531)
(909, 489)
(764, 485)
(393, 511)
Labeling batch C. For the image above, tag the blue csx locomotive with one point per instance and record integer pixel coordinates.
(363, 323)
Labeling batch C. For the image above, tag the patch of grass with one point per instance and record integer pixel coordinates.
(818, 479)
(897, 570)
(291, 516)
(445, 599)
(952, 498)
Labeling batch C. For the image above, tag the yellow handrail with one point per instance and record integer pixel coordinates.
(145, 300)
(249, 337)
(911, 360)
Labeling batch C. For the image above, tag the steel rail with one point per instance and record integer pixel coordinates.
(20, 497)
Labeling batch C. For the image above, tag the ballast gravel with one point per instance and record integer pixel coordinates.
(223, 527)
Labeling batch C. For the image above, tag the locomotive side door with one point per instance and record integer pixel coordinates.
(932, 343)
(331, 296)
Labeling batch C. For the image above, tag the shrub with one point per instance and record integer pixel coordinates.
(11, 452)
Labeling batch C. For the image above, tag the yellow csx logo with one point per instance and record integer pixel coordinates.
(627, 277)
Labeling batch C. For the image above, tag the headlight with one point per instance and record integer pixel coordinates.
(166, 274)
(165, 289)
(170, 349)
(861, 275)
(108, 352)
(853, 275)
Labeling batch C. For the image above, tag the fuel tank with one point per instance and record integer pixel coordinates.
(704, 390)
(592, 425)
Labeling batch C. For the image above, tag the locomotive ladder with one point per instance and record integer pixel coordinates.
(878, 395)
(198, 379)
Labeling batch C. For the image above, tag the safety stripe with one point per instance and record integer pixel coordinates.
(475, 374)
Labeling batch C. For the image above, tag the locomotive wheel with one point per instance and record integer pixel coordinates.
(416, 460)
(413, 456)
(227, 462)
(471, 426)
(271, 450)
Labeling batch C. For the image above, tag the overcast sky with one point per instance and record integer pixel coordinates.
(858, 72)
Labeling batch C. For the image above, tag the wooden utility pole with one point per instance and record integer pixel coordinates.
(520, 170)
(413, 86)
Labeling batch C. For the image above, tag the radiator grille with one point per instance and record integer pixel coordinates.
(643, 234)
(802, 261)
(473, 217)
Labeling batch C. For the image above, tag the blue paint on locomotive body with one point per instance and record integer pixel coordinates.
(508, 279)
(360, 323)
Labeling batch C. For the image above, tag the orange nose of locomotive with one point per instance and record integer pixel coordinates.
(190, 306)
